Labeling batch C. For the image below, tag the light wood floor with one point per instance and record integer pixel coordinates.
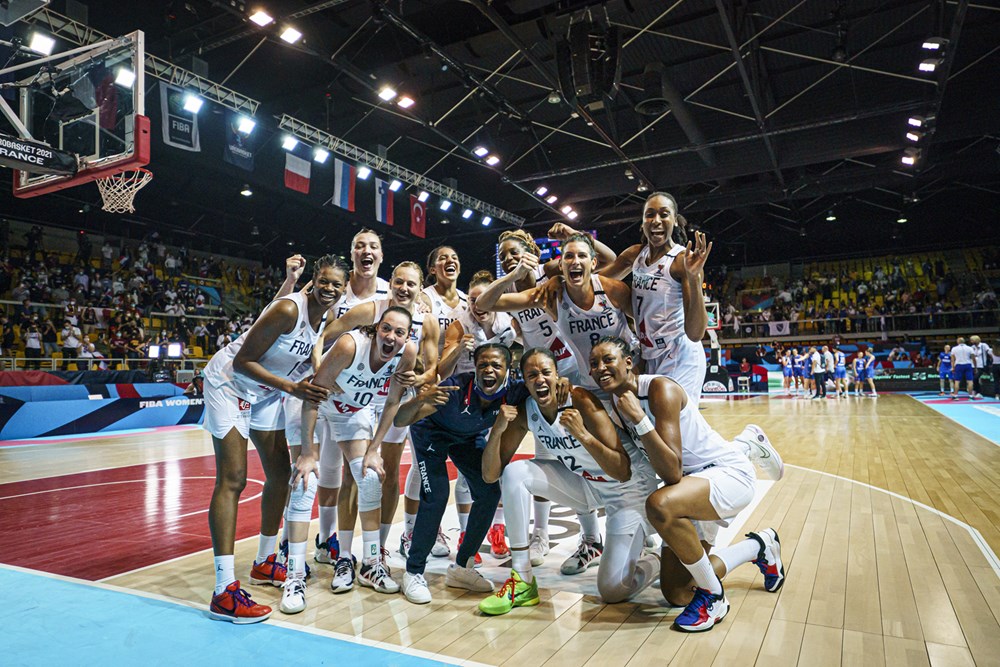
(873, 578)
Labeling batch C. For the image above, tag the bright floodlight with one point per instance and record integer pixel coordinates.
(914, 136)
(291, 35)
(552, 199)
(493, 160)
(192, 103)
(289, 142)
(487, 220)
(916, 121)
(364, 173)
(444, 205)
(261, 18)
(406, 101)
(910, 156)
(480, 151)
(125, 77)
(572, 215)
(934, 43)
(387, 93)
(567, 208)
(395, 185)
(901, 220)
(467, 213)
(41, 43)
(830, 217)
(246, 191)
(423, 196)
(320, 155)
(929, 65)
(541, 190)
(246, 125)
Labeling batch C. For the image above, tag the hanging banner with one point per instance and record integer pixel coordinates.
(180, 127)
(239, 148)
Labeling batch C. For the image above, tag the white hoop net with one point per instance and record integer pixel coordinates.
(119, 190)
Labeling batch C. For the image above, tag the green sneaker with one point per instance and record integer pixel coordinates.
(514, 593)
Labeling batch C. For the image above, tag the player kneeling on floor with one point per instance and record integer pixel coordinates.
(707, 482)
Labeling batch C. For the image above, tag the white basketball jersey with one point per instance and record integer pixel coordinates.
(539, 330)
(657, 302)
(503, 335)
(583, 328)
(555, 440)
(362, 386)
(417, 327)
(348, 300)
(701, 446)
(444, 313)
(289, 356)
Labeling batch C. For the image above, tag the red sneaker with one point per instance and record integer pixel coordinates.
(498, 543)
(269, 572)
(234, 605)
(478, 559)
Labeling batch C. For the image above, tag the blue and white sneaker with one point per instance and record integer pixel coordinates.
(343, 575)
(327, 552)
(769, 559)
(283, 557)
(703, 612)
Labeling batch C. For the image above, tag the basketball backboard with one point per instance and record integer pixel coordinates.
(714, 322)
(88, 102)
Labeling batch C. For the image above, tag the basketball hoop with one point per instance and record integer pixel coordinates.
(119, 190)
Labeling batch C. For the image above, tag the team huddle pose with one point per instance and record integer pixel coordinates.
(331, 381)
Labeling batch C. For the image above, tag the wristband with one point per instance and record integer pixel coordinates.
(643, 427)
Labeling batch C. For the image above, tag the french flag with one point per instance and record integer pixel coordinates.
(344, 176)
(297, 173)
(383, 202)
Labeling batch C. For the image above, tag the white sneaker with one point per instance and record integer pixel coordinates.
(374, 574)
(293, 596)
(415, 588)
(538, 549)
(343, 575)
(468, 578)
(441, 548)
(768, 559)
(762, 453)
(587, 554)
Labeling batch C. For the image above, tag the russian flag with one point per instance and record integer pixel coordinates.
(383, 202)
(344, 176)
(297, 173)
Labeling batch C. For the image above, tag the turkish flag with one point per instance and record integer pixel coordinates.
(418, 217)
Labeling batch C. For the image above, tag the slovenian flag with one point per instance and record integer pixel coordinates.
(383, 202)
(297, 173)
(344, 176)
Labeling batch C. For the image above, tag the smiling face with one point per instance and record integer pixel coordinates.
(391, 335)
(609, 366)
(658, 220)
(491, 370)
(446, 266)
(480, 316)
(577, 263)
(328, 285)
(366, 254)
(510, 254)
(540, 378)
(405, 286)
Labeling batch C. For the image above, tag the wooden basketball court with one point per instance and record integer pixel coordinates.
(889, 517)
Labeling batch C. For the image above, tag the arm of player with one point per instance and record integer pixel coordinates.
(508, 430)
(373, 458)
(455, 345)
(424, 404)
(429, 351)
(662, 443)
(690, 274)
(561, 231)
(496, 297)
(619, 292)
(622, 264)
(589, 423)
(294, 266)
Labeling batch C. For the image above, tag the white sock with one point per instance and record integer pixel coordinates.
(589, 525)
(224, 572)
(284, 525)
(383, 533)
(327, 522)
(408, 521)
(346, 539)
(297, 558)
(542, 509)
(520, 561)
(736, 554)
(498, 515)
(463, 520)
(371, 548)
(265, 547)
(704, 575)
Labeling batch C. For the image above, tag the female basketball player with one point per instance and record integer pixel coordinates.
(707, 482)
(787, 376)
(859, 372)
(473, 328)
(944, 370)
(580, 463)
(357, 369)
(365, 285)
(243, 386)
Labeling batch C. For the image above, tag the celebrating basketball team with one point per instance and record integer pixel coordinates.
(604, 374)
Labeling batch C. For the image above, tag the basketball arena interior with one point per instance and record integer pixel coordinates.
(620, 332)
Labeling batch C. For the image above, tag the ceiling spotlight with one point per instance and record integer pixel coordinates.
(192, 103)
(910, 156)
(830, 217)
(920, 121)
(321, 155)
(629, 174)
(642, 187)
(541, 190)
(467, 213)
(914, 135)
(493, 160)
(566, 209)
(572, 215)
(125, 77)
(554, 98)
(246, 191)
(444, 205)
(929, 65)
(423, 196)
(41, 43)
(246, 125)
(364, 173)
(261, 18)
(289, 142)
(487, 220)
(395, 185)
(406, 101)
(934, 44)
(480, 151)
(551, 199)
(291, 35)
(387, 93)
(901, 220)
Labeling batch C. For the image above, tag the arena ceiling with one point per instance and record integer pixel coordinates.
(776, 113)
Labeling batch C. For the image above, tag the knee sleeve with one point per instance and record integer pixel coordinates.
(369, 487)
(412, 490)
(463, 496)
(331, 466)
(300, 500)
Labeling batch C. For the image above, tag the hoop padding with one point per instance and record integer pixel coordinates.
(118, 190)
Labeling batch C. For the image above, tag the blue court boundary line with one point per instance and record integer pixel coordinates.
(180, 631)
(981, 424)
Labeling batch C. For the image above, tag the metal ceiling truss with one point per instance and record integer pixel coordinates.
(318, 137)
